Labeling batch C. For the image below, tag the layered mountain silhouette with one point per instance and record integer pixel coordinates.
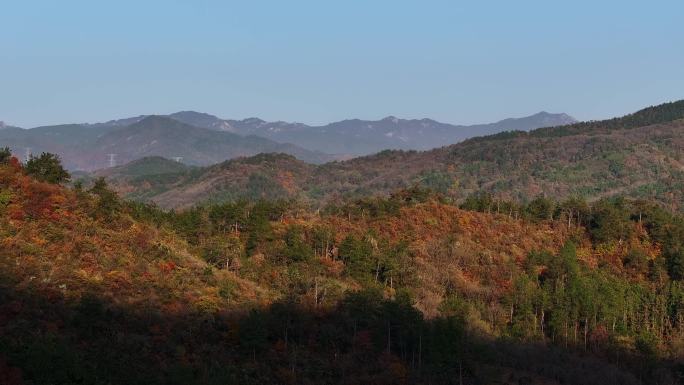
(87, 147)
(202, 139)
(362, 137)
(355, 137)
(638, 155)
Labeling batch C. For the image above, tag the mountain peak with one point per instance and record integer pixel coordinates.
(163, 122)
(202, 119)
(556, 119)
(554, 114)
(157, 119)
(192, 114)
(120, 122)
(253, 120)
(546, 113)
(538, 120)
(391, 118)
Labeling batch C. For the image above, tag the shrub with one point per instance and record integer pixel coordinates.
(47, 168)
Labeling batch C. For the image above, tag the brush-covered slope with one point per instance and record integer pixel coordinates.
(643, 162)
(143, 178)
(264, 176)
(153, 165)
(639, 155)
(384, 291)
(66, 242)
(82, 280)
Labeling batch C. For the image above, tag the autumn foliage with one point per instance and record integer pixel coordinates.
(402, 289)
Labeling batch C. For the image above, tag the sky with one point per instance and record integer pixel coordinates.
(319, 61)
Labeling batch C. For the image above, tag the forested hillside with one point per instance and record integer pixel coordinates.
(407, 288)
(638, 156)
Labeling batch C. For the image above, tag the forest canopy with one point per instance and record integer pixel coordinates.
(405, 288)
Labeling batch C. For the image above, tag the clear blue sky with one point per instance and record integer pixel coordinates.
(320, 61)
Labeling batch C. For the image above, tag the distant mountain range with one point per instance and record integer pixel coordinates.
(356, 137)
(87, 146)
(639, 155)
(203, 139)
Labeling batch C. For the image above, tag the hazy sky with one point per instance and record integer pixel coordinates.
(320, 61)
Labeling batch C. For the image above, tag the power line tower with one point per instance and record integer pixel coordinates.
(28, 154)
(112, 160)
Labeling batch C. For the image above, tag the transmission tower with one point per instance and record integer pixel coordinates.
(112, 160)
(28, 154)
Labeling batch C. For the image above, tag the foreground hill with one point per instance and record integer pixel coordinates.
(264, 176)
(639, 155)
(87, 147)
(362, 137)
(388, 291)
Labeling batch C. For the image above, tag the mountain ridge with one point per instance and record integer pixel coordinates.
(343, 137)
(591, 160)
(87, 146)
(356, 137)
